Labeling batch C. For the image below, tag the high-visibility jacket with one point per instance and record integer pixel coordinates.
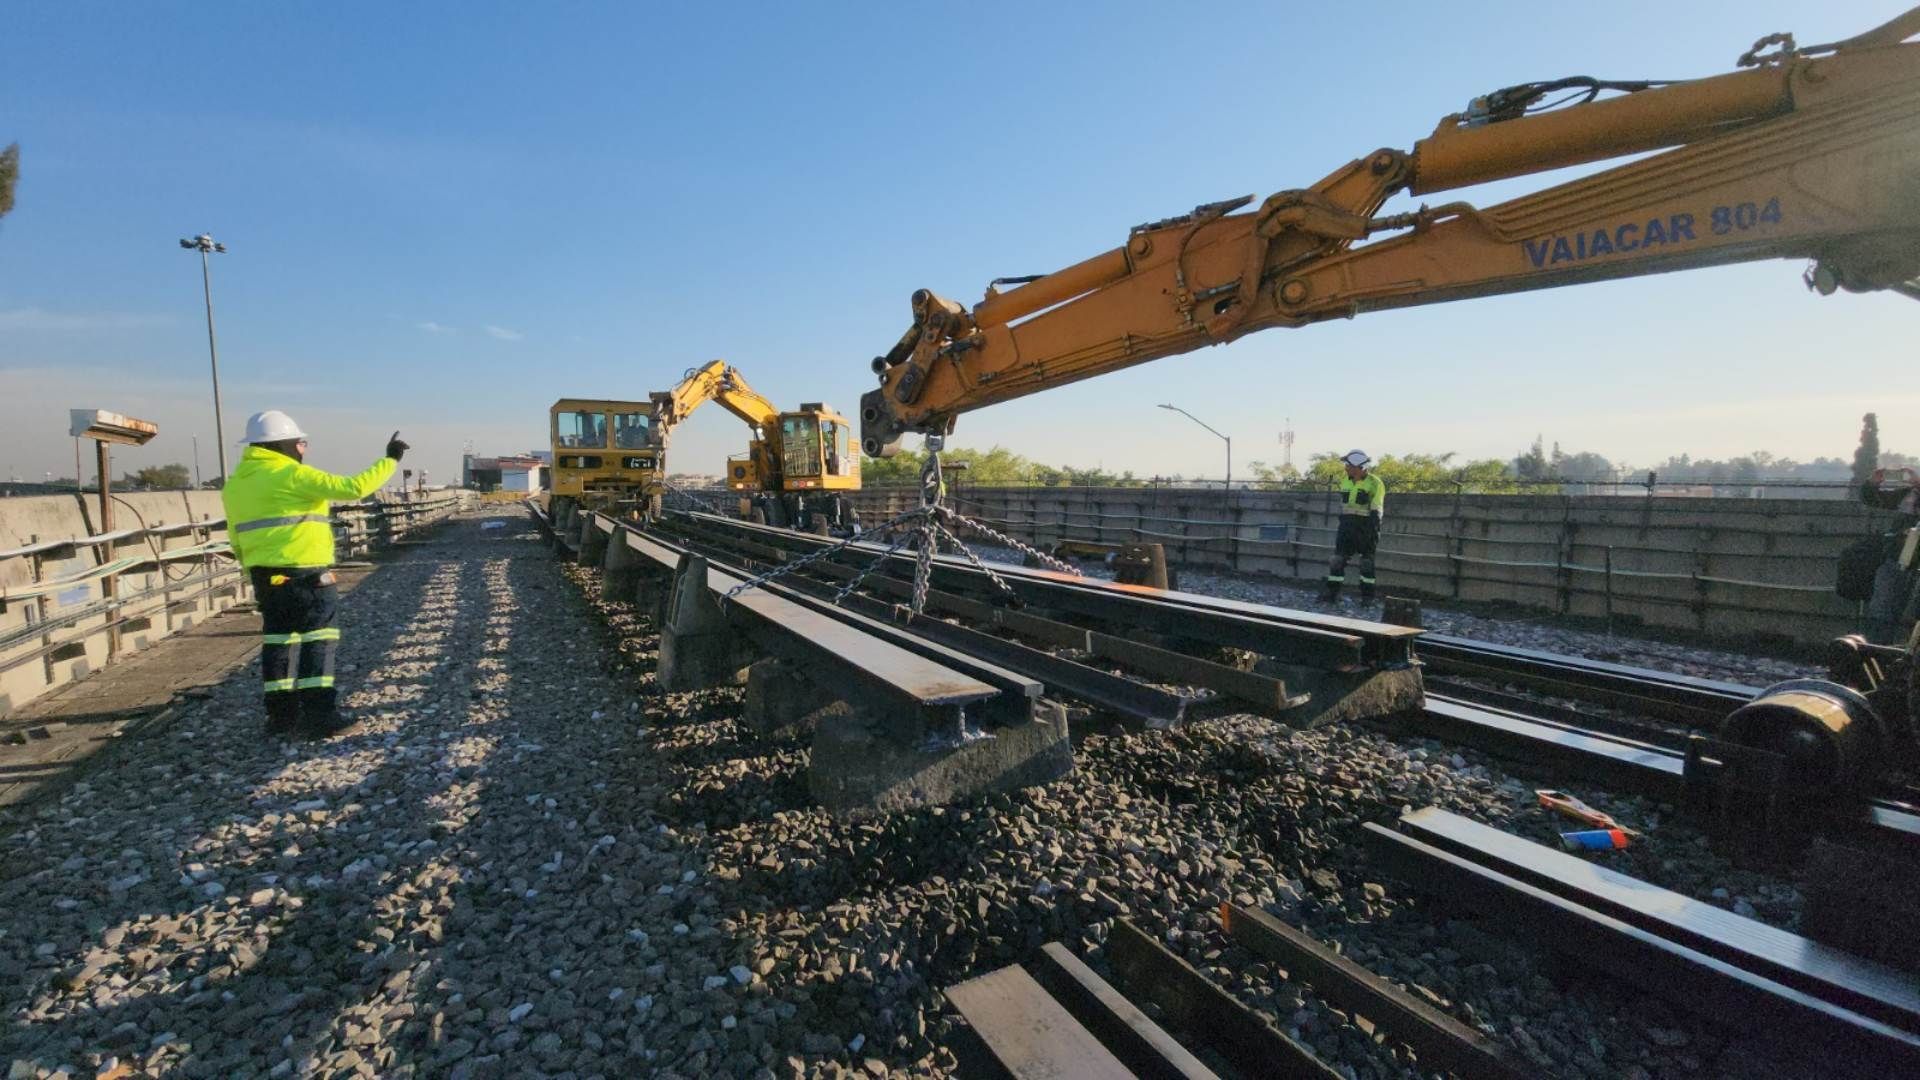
(279, 510)
(1363, 497)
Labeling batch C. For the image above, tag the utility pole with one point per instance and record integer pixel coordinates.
(196, 462)
(205, 245)
(1227, 438)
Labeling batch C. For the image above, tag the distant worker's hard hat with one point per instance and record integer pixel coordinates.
(272, 426)
(1358, 459)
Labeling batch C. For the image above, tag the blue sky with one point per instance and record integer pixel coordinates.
(444, 216)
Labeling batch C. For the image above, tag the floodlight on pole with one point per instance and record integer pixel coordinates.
(1228, 439)
(205, 245)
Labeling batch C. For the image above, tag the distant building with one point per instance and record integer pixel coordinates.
(523, 473)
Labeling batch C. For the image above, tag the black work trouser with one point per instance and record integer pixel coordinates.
(1894, 605)
(1356, 539)
(297, 641)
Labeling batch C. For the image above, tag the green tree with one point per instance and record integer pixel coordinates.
(1867, 457)
(900, 470)
(1272, 477)
(163, 477)
(1421, 472)
(995, 467)
(1534, 464)
(9, 176)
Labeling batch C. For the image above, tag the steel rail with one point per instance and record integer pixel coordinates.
(1699, 702)
(1147, 705)
(1789, 1019)
(1629, 765)
(1300, 637)
(877, 672)
(1846, 980)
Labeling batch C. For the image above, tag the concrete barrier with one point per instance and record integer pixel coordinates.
(1728, 568)
(72, 598)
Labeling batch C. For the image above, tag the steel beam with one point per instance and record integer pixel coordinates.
(1840, 977)
(1791, 1021)
(1194, 1003)
(1296, 637)
(1442, 1043)
(877, 673)
(1699, 702)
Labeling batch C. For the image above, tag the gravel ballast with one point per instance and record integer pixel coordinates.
(529, 861)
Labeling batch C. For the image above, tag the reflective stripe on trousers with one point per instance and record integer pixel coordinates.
(297, 641)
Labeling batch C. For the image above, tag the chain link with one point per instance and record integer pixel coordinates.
(923, 563)
(929, 529)
(853, 585)
(997, 536)
(813, 557)
(967, 552)
(697, 500)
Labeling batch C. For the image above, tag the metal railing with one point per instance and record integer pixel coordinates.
(359, 528)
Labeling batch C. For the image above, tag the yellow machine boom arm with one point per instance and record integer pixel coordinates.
(1801, 153)
(715, 381)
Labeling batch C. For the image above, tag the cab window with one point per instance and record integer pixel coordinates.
(581, 429)
(800, 446)
(630, 430)
(833, 438)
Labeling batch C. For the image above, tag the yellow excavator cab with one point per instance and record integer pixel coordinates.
(812, 450)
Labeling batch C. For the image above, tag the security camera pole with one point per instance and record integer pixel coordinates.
(205, 246)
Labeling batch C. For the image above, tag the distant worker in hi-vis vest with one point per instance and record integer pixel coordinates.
(1363, 499)
(279, 520)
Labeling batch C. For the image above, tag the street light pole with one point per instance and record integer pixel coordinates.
(1228, 439)
(205, 245)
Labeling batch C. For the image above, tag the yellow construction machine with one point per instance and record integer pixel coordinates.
(612, 454)
(798, 466)
(606, 454)
(1800, 152)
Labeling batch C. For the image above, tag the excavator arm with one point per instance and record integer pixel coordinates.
(715, 381)
(1800, 153)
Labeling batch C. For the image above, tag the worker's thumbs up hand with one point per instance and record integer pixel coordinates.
(396, 448)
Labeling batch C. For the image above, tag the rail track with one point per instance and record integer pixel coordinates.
(1024, 632)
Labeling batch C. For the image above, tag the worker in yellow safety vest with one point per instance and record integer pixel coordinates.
(1363, 499)
(279, 521)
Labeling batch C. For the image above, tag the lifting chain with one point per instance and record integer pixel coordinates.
(963, 549)
(930, 526)
(815, 556)
(854, 584)
(1001, 538)
(696, 500)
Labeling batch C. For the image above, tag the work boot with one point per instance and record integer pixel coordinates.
(1330, 594)
(328, 724)
(282, 720)
(1366, 594)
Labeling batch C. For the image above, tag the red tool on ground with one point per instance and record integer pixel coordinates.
(1562, 803)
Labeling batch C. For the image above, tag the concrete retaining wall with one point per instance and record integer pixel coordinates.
(1736, 568)
(84, 626)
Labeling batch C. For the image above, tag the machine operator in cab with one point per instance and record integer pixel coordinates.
(1363, 498)
(279, 521)
(1895, 604)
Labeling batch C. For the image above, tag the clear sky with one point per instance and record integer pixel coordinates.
(444, 216)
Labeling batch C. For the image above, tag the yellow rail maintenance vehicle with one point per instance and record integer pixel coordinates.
(606, 454)
(797, 468)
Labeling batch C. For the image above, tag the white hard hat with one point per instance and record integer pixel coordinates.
(272, 426)
(1357, 458)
